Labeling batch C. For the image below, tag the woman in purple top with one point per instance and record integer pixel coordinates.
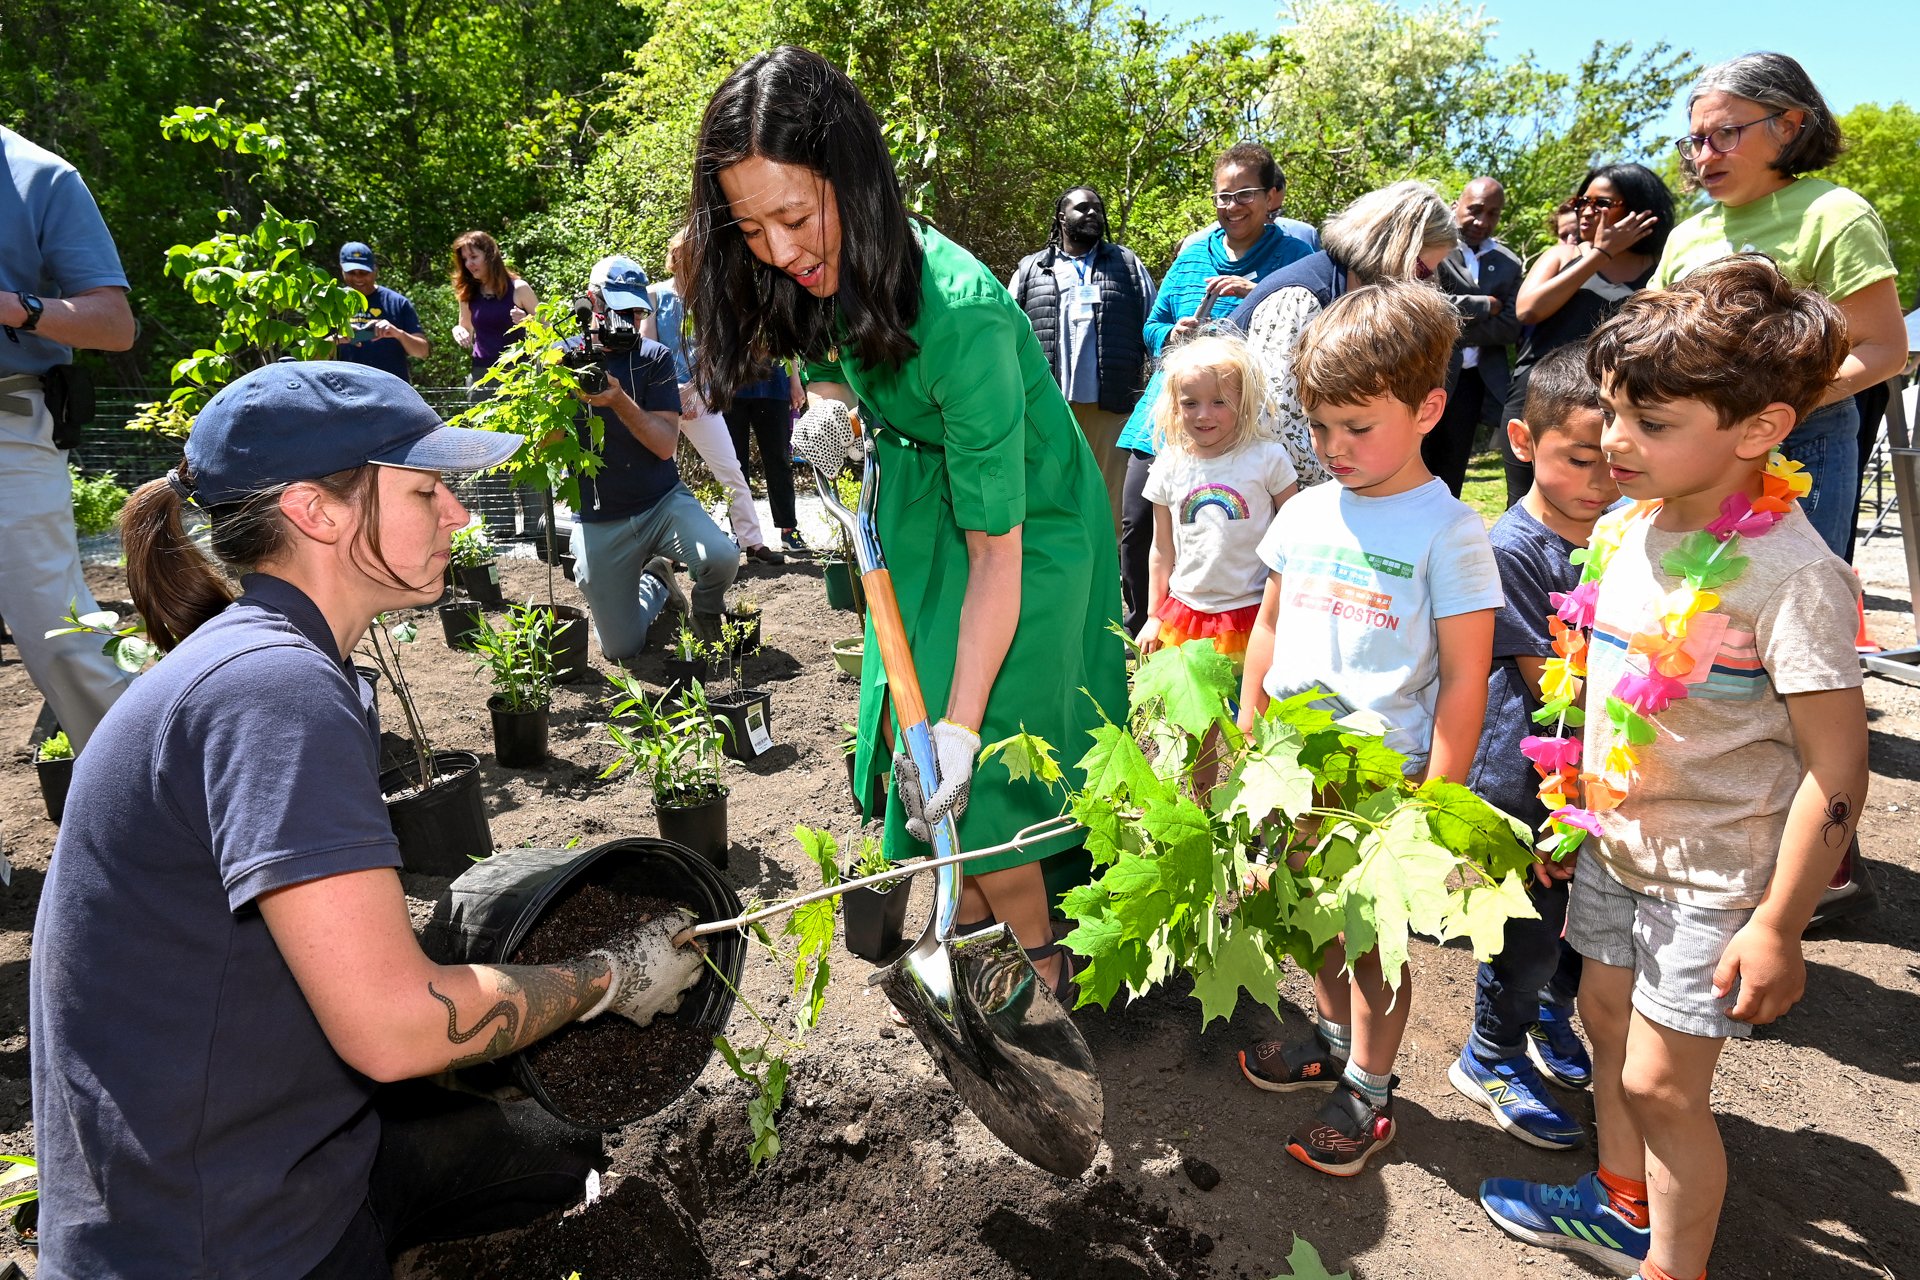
(493, 302)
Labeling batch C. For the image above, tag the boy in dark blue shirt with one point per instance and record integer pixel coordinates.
(1523, 1000)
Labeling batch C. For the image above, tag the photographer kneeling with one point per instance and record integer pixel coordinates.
(223, 964)
(636, 518)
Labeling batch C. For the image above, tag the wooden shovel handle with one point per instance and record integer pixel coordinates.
(903, 682)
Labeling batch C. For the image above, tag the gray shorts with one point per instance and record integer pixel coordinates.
(1672, 949)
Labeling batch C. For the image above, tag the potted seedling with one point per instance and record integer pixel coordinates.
(745, 615)
(433, 800)
(21, 1207)
(676, 747)
(518, 659)
(53, 761)
(842, 572)
(876, 914)
(746, 713)
(460, 623)
(475, 571)
(689, 660)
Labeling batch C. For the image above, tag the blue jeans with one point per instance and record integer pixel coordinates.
(1827, 444)
(1534, 967)
(610, 561)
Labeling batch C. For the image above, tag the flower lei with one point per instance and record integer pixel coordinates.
(1704, 561)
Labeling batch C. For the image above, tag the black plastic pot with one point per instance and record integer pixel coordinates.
(25, 1222)
(444, 828)
(519, 737)
(682, 672)
(738, 713)
(566, 567)
(881, 784)
(460, 623)
(749, 641)
(697, 822)
(875, 921)
(482, 583)
(55, 777)
(486, 913)
(570, 664)
(372, 676)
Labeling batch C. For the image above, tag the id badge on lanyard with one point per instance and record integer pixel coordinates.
(1081, 301)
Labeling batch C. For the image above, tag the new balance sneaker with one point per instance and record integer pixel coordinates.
(1346, 1133)
(1518, 1098)
(1576, 1219)
(1283, 1068)
(1554, 1047)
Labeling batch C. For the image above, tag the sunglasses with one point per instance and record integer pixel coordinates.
(1599, 204)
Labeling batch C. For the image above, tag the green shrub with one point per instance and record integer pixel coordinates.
(96, 501)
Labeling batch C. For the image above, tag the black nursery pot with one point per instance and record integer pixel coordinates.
(482, 582)
(570, 664)
(460, 623)
(442, 829)
(739, 712)
(695, 820)
(682, 672)
(486, 914)
(749, 641)
(372, 676)
(875, 921)
(55, 777)
(519, 737)
(878, 806)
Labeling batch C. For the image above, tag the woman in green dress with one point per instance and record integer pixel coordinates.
(992, 513)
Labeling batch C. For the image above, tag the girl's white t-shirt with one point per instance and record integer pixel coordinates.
(1221, 507)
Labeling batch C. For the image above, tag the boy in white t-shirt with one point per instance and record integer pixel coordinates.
(1383, 591)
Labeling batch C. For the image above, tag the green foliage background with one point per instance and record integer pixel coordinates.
(566, 129)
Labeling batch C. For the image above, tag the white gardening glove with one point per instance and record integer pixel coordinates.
(954, 748)
(650, 974)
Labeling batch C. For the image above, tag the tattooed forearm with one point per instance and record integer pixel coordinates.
(1837, 827)
(532, 1002)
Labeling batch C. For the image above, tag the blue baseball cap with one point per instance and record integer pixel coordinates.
(621, 283)
(303, 419)
(355, 256)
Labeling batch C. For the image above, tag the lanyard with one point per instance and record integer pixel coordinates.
(1080, 264)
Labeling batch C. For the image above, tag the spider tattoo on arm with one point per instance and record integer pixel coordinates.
(1839, 818)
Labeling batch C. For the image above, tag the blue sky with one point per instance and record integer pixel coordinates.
(1856, 50)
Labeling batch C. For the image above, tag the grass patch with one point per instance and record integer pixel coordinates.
(1486, 487)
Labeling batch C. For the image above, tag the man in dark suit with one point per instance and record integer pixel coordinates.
(1483, 277)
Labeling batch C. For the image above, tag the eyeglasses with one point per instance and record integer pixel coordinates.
(1721, 141)
(1599, 204)
(1245, 195)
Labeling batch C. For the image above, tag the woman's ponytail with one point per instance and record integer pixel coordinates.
(174, 587)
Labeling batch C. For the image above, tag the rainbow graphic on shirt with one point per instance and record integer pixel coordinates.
(1225, 497)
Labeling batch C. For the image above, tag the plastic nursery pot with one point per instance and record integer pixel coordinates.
(570, 665)
(747, 720)
(749, 640)
(372, 676)
(443, 828)
(839, 578)
(460, 623)
(875, 920)
(482, 583)
(682, 672)
(881, 784)
(55, 777)
(848, 653)
(519, 737)
(566, 566)
(695, 820)
(487, 914)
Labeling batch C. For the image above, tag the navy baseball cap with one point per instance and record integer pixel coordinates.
(303, 419)
(622, 283)
(355, 256)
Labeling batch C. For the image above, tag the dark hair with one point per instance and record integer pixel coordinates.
(1778, 83)
(1643, 192)
(175, 588)
(1734, 334)
(498, 280)
(1559, 386)
(1254, 154)
(1057, 230)
(792, 106)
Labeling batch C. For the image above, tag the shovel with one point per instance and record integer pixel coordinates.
(998, 1036)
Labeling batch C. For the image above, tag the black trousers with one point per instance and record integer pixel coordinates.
(771, 423)
(453, 1165)
(1448, 448)
(1136, 540)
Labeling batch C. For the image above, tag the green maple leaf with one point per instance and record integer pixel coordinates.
(1116, 767)
(1084, 902)
(1318, 915)
(1025, 756)
(1304, 1264)
(1267, 781)
(1142, 915)
(1131, 874)
(1108, 834)
(823, 849)
(1468, 825)
(1179, 821)
(1299, 713)
(1193, 681)
(1239, 962)
(1399, 885)
(1480, 913)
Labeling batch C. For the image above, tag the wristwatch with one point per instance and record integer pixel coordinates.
(33, 307)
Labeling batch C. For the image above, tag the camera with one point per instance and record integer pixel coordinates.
(602, 334)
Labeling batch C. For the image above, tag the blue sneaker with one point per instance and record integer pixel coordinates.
(1554, 1047)
(1576, 1219)
(1518, 1098)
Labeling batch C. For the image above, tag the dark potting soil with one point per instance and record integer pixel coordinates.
(608, 1070)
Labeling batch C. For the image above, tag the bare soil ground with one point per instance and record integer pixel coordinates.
(885, 1175)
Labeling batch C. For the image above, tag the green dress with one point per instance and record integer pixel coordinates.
(973, 433)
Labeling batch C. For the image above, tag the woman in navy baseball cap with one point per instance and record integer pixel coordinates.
(226, 990)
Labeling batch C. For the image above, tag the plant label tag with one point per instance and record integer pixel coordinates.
(757, 733)
(493, 573)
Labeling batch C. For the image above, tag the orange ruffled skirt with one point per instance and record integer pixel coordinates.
(1229, 631)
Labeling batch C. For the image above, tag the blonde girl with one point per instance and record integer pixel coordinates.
(1214, 488)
